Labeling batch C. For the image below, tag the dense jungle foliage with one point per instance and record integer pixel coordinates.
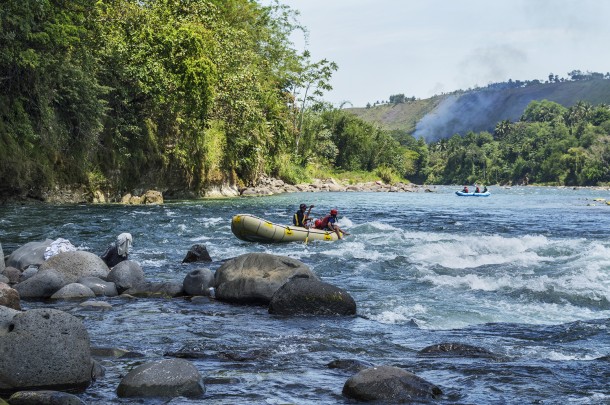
(550, 144)
(174, 93)
(184, 94)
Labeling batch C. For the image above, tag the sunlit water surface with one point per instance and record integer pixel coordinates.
(524, 273)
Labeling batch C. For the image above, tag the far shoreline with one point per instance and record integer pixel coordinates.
(267, 186)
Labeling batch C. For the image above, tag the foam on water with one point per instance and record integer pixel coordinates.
(462, 252)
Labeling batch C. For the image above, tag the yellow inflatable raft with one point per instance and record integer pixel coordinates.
(253, 229)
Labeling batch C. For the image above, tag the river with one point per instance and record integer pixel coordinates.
(524, 274)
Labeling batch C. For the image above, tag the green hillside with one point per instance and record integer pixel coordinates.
(403, 116)
(478, 110)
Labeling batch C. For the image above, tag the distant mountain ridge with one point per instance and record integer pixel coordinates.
(478, 110)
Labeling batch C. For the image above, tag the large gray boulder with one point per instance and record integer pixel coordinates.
(126, 274)
(198, 282)
(73, 291)
(165, 378)
(44, 349)
(41, 285)
(389, 384)
(255, 277)
(99, 286)
(9, 297)
(305, 296)
(32, 253)
(76, 264)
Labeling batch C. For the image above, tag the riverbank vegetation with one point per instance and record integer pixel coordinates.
(184, 95)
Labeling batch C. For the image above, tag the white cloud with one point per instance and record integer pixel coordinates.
(424, 47)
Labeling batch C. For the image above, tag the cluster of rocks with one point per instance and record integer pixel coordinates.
(265, 186)
(270, 186)
(47, 351)
(150, 197)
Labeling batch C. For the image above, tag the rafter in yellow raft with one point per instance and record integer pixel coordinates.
(253, 229)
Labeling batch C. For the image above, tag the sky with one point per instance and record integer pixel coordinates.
(425, 47)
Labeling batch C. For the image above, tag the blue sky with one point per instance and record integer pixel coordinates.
(426, 47)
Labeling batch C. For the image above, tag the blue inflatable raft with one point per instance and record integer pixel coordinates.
(463, 194)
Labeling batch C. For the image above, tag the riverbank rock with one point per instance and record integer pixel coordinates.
(152, 197)
(221, 191)
(306, 296)
(197, 253)
(255, 277)
(73, 291)
(269, 186)
(456, 350)
(126, 274)
(2, 263)
(129, 199)
(165, 379)
(156, 290)
(44, 397)
(9, 297)
(391, 384)
(32, 253)
(76, 264)
(99, 286)
(41, 285)
(44, 349)
(198, 282)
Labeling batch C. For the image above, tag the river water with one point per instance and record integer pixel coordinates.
(524, 274)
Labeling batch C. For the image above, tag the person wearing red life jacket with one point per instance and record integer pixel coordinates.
(329, 222)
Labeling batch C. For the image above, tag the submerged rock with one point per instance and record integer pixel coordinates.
(197, 253)
(389, 384)
(456, 350)
(305, 296)
(349, 365)
(164, 378)
(44, 397)
(156, 290)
